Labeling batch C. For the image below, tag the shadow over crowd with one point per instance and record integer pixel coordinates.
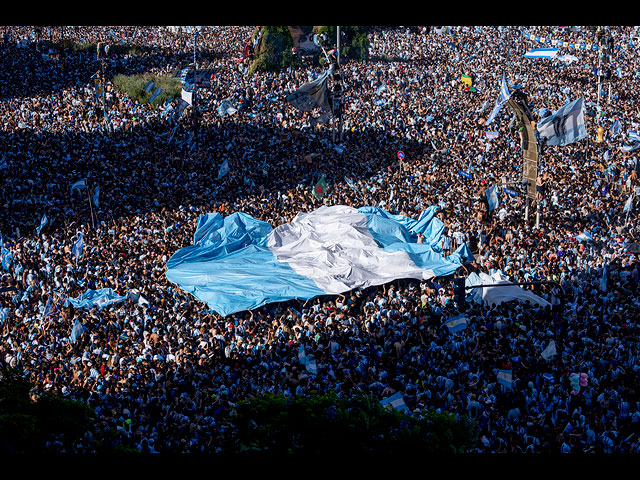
(166, 374)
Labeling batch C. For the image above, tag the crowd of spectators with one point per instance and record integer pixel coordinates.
(166, 374)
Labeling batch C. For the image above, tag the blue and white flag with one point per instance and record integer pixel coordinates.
(565, 126)
(100, 298)
(96, 194)
(43, 222)
(239, 263)
(149, 86)
(77, 330)
(541, 53)
(350, 183)
(6, 255)
(583, 237)
(395, 401)
(628, 205)
(226, 108)
(155, 94)
(79, 184)
(616, 128)
(550, 351)
(312, 95)
(456, 324)
(492, 135)
(224, 169)
(187, 96)
(633, 136)
(603, 279)
(49, 308)
(505, 378)
(78, 246)
(503, 96)
(492, 197)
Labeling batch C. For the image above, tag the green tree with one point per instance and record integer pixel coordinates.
(274, 51)
(354, 42)
(27, 425)
(328, 424)
(133, 87)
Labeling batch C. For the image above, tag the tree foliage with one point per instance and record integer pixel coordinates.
(29, 425)
(274, 50)
(133, 87)
(328, 424)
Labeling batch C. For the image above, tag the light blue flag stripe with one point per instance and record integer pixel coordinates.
(239, 263)
(97, 298)
(541, 53)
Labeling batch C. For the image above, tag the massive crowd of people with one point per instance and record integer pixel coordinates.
(166, 373)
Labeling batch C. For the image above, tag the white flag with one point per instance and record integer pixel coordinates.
(565, 126)
(187, 96)
(550, 351)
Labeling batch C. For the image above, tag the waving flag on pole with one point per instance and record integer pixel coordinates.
(79, 184)
(603, 279)
(43, 222)
(239, 263)
(312, 95)
(155, 94)
(5, 255)
(550, 351)
(565, 126)
(96, 194)
(503, 96)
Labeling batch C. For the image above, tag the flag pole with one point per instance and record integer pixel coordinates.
(90, 206)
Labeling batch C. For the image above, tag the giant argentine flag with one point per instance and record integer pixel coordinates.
(239, 263)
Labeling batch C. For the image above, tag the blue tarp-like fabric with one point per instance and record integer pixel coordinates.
(239, 263)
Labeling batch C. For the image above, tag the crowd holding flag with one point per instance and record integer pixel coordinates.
(78, 246)
(503, 96)
(43, 222)
(312, 95)
(224, 169)
(541, 53)
(505, 378)
(492, 197)
(395, 401)
(565, 126)
(320, 189)
(457, 323)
